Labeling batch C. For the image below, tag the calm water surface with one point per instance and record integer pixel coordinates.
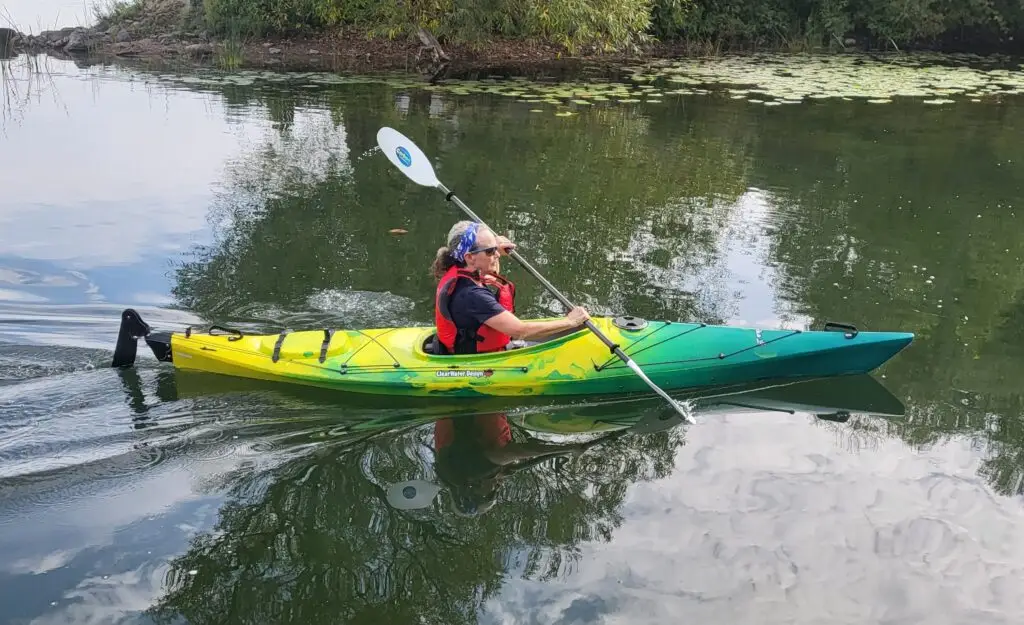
(139, 496)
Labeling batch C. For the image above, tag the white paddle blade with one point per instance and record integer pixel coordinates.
(412, 495)
(407, 157)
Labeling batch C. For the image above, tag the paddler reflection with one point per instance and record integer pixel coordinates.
(473, 455)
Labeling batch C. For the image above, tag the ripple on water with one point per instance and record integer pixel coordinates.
(363, 308)
(82, 473)
(19, 362)
(209, 444)
(768, 494)
(13, 435)
(919, 539)
(955, 495)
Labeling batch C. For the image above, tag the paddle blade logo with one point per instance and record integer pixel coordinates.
(403, 156)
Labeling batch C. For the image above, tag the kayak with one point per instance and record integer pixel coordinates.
(398, 361)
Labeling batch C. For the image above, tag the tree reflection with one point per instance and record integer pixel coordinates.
(873, 217)
(888, 238)
(315, 540)
(609, 216)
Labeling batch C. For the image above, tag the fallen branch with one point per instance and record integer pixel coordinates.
(430, 43)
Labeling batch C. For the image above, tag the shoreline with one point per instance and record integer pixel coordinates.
(351, 50)
(342, 50)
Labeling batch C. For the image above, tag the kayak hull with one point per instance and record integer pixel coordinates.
(392, 361)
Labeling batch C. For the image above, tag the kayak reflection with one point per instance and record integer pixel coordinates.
(473, 454)
(832, 399)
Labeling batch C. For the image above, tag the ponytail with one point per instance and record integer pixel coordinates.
(442, 262)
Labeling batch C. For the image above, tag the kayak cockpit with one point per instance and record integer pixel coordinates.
(431, 346)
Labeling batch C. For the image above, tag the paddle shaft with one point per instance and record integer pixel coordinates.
(569, 305)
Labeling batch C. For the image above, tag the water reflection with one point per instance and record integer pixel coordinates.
(327, 537)
(750, 220)
(150, 495)
(137, 189)
(473, 456)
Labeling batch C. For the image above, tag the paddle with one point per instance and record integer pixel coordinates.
(412, 162)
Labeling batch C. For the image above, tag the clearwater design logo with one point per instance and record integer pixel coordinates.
(403, 156)
(463, 373)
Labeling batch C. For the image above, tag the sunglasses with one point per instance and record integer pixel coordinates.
(490, 251)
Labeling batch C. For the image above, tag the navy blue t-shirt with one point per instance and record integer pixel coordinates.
(472, 305)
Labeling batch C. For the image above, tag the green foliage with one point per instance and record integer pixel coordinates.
(828, 22)
(769, 22)
(669, 17)
(117, 11)
(904, 20)
(259, 17)
(606, 24)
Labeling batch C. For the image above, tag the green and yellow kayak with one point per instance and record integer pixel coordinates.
(397, 361)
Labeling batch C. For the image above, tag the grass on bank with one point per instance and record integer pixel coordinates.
(118, 11)
(608, 25)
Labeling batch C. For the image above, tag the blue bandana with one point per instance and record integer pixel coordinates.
(465, 243)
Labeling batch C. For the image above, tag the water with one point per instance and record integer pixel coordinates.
(142, 496)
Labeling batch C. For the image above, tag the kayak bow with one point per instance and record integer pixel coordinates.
(395, 361)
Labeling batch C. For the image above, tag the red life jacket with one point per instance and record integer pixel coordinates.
(489, 430)
(466, 341)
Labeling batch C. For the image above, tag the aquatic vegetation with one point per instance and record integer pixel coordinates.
(882, 77)
(23, 80)
(765, 80)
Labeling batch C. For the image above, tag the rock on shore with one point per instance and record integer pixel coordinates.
(8, 39)
(154, 25)
(73, 39)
